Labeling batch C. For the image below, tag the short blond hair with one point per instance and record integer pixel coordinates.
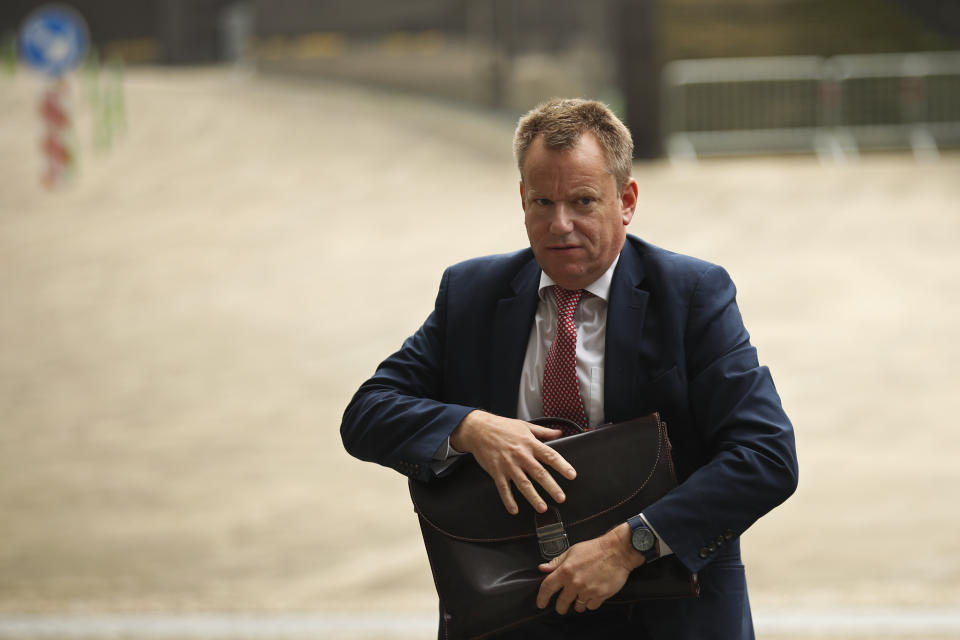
(563, 120)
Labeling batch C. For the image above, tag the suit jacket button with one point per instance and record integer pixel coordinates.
(703, 552)
(712, 547)
(728, 534)
(720, 541)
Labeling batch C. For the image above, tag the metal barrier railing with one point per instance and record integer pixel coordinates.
(830, 106)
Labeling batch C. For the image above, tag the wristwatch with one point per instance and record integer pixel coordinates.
(643, 539)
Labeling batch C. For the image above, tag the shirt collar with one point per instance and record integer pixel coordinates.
(599, 287)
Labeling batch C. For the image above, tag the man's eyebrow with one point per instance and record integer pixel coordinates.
(583, 190)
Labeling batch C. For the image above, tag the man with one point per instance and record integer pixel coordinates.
(650, 330)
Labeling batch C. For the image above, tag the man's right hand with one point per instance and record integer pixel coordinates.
(512, 451)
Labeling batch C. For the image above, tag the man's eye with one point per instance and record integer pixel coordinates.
(542, 202)
(585, 201)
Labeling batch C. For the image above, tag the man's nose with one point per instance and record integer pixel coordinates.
(561, 223)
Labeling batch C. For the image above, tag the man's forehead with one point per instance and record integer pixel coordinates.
(550, 174)
(585, 157)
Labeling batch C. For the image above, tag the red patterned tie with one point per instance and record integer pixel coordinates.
(561, 391)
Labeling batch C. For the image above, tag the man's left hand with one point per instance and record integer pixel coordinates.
(589, 572)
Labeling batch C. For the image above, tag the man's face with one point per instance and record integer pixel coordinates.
(575, 214)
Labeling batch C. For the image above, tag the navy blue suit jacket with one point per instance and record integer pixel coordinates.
(675, 344)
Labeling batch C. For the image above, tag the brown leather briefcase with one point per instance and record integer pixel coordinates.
(484, 560)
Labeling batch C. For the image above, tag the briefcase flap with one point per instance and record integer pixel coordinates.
(615, 466)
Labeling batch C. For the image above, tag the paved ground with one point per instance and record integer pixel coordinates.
(181, 328)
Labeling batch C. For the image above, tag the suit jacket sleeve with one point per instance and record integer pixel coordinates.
(394, 418)
(750, 463)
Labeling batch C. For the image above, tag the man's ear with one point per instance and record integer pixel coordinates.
(523, 201)
(629, 196)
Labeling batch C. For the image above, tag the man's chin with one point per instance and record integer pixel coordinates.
(565, 275)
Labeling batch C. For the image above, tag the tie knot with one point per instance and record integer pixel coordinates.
(567, 300)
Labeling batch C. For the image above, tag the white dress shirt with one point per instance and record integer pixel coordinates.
(590, 318)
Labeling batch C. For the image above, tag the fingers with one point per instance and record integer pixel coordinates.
(545, 433)
(565, 599)
(549, 455)
(568, 599)
(556, 583)
(581, 578)
(504, 482)
(521, 480)
(509, 450)
(526, 474)
(528, 491)
(556, 461)
(582, 604)
(548, 587)
(532, 471)
(542, 477)
(555, 562)
(506, 496)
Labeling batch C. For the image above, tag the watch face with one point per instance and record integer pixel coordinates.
(642, 539)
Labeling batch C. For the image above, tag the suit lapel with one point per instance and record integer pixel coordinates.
(625, 316)
(512, 322)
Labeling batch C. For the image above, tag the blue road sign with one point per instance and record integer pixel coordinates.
(53, 39)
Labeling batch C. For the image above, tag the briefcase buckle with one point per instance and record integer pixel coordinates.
(553, 539)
